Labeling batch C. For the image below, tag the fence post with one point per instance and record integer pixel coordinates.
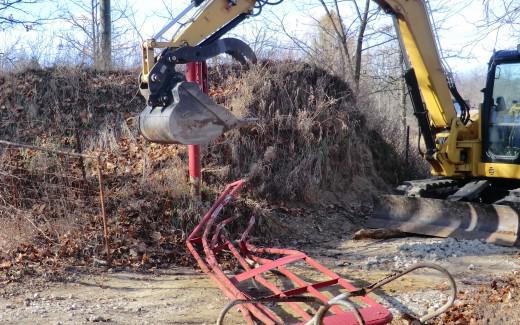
(196, 72)
(102, 205)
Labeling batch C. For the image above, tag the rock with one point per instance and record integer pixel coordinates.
(98, 319)
(378, 234)
(98, 262)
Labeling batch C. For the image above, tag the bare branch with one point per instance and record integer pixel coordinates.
(15, 13)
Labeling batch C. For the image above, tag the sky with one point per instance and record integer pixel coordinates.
(459, 26)
(460, 35)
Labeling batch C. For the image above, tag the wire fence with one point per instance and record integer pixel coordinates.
(47, 193)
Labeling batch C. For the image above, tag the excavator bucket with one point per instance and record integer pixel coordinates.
(496, 224)
(192, 118)
(178, 112)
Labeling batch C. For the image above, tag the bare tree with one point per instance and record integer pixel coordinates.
(85, 35)
(363, 22)
(357, 28)
(502, 12)
(82, 16)
(335, 19)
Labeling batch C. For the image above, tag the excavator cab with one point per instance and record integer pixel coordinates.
(501, 109)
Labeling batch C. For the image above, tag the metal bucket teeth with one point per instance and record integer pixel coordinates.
(192, 118)
(496, 224)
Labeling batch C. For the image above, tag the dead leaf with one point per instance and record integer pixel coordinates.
(156, 236)
(5, 265)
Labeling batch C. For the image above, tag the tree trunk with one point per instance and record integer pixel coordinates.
(106, 35)
(341, 35)
(94, 35)
(359, 45)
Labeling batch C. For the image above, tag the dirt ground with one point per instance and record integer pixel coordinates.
(187, 296)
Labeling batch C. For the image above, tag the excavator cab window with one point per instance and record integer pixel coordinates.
(503, 133)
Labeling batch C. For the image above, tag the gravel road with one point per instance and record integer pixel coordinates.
(186, 296)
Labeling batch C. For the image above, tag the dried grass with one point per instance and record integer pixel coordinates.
(311, 136)
(146, 185)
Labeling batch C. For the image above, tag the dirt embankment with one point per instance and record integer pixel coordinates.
(310, 147)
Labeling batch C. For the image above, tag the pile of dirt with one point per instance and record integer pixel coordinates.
(310, 146)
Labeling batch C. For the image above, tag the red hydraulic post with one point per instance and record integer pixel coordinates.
(196, 72)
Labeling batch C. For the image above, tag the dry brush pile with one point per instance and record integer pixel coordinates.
(311, 137)
(310, 144)
(495, 302)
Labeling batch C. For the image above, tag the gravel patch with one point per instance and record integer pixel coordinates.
(417, 303)
(435, 250)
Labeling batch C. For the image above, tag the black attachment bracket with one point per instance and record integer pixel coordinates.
(163, 77)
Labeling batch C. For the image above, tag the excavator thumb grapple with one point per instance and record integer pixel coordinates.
(178, 111)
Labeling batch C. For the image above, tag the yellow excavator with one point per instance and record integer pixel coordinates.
(475, 158)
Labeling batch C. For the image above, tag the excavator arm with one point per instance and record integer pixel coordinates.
(433, 92)
(178, 111)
